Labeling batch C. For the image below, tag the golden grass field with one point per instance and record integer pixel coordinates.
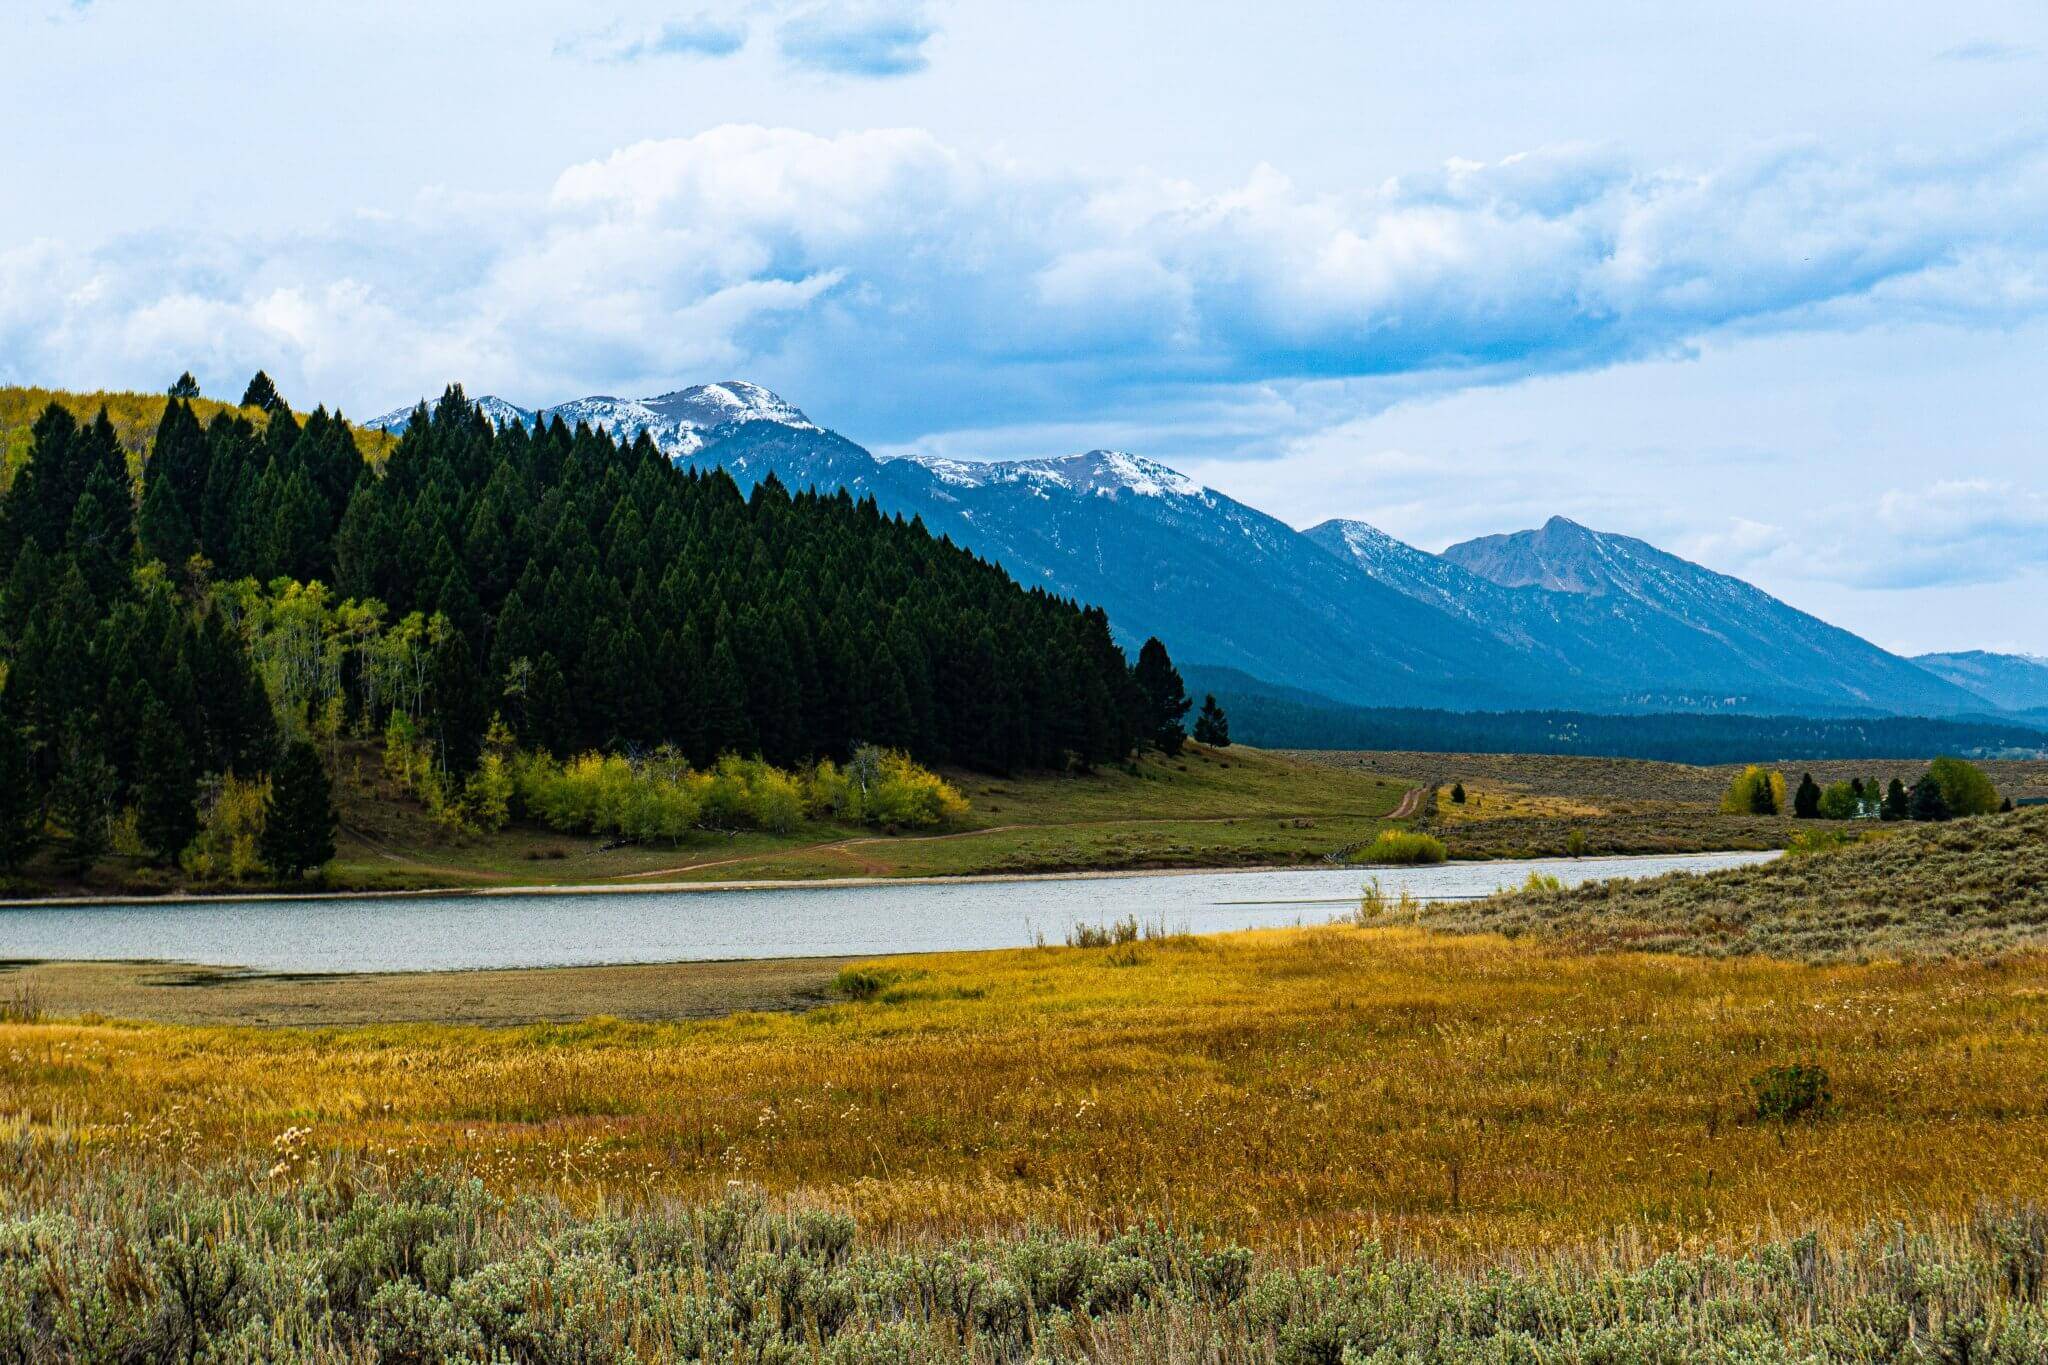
(1465, 1096)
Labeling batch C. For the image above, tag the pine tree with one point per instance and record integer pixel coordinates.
(299, 822)
(82, 797)
(1896, 804)
(166, 786)
(162, 528)
(1928, 802)
(21, 801)
(1806, 802)
(185, 386)
(1212, 727)
(1457, 793)
(263, 394)
(1162, 699)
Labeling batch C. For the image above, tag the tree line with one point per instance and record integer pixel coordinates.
(265, 586)
(1950, 788)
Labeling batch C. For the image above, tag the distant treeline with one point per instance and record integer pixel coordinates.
(1283, 723)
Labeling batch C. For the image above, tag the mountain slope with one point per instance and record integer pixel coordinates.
(1698, 628)
(2013, 682)
(1220, 582)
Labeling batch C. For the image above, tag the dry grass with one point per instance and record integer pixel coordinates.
(1298, 1088)
(1969, 888)
(177, 994)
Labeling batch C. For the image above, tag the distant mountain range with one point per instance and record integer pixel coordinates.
(1558, 617)
(2012, 682)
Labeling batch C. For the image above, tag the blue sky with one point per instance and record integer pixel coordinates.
(1767, 285)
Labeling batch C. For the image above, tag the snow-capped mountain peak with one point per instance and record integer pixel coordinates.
(679, 421)
(1104, 473)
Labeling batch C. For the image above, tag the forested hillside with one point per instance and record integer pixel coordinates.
(261, 585)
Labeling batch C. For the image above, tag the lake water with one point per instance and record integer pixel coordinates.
(442, 933)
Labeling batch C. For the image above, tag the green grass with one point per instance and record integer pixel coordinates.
(1235, 807)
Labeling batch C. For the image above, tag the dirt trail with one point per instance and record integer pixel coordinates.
(1409, 802)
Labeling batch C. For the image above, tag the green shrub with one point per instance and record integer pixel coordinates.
(1786, 1094)
(1404, 846)
(864, 982)
(1964, 787)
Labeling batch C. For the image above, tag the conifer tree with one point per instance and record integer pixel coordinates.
(1212, 727)
(82, 797)
(162, 528)
(1897, 806)
(1928, 802)
(263, 394)
(1806, 801)
(21, 802)
(185, 386)
(299, 822)
(166, 787)
(1162, 699)
(1457, 793)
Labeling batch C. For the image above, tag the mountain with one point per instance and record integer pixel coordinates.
(1644, 628)
(1560, 617)
(2011, 682)
(1220, 582)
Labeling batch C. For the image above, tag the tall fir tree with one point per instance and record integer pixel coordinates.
(1806, 801)
(1212, 727)
(1929, 804)
(166, 787)
(21, 798)
(299, 823)
(1897, 805)
(1162, 698)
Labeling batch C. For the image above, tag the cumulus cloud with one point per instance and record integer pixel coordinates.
(898, 285)
(875, 38)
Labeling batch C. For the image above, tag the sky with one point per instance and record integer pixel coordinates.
(1766, 285)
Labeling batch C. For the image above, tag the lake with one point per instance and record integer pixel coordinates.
(524, 929)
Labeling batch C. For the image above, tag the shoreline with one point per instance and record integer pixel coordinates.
(568, 889)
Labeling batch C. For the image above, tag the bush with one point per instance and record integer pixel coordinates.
(1402, 846)
(1965, 790)
(1785, 1094)
(864, 982)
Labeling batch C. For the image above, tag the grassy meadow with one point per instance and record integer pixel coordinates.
(1206, 808)
(1302, 1088)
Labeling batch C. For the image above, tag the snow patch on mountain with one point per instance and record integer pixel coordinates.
(1102, 473)
(680, 422)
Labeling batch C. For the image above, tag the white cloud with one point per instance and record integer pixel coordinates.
(903, 286)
